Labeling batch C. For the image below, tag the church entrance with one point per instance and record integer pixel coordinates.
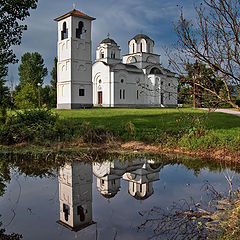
(99, 97)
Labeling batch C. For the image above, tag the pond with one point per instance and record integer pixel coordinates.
(108, 200)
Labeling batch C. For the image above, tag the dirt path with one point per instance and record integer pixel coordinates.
(229, 111)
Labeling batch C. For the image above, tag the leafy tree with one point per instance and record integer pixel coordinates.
(214, 39)
(189, 90)
(4, 97)
(32, 70)
(28, 97)
(54, 75)
(11, 13)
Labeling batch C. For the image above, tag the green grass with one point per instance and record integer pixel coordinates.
(162, 126)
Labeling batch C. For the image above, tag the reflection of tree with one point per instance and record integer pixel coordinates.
(4, 175)
(184, 220)
(12, 236)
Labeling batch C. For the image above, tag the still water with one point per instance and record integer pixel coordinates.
(109, 200)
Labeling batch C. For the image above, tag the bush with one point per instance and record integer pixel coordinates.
(37, 125)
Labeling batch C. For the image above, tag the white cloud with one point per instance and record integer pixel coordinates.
(122, 19)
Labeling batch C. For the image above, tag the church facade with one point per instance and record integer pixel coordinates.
(136, 80)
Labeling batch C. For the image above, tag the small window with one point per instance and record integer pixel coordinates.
(169, 96)
(123, 93)
(102, 55)
(81, 92)
(161, 82)
(169, 84)
(122, 81)
(133, 48)
(120, 93)
(66, 211)
(137, 94)
(102, 181)
(80, 212)
(141, 47)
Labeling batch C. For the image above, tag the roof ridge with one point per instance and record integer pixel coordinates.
(74, 12)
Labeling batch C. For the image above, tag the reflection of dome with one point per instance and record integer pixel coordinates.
(109, 195)
(137, 195)
(108, 40)
(155, 165)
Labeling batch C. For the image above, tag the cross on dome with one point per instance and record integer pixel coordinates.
(74, 5)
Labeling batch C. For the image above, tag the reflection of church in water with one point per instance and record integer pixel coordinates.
(75, 186)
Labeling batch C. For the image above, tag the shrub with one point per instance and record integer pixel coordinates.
(37, 125)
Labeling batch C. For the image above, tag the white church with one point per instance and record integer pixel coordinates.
(136, 80)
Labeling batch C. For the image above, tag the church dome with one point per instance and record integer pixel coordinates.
(108, 41)
(141, 36)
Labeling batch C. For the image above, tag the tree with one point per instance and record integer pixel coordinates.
(32, 70)
(53, 83)
(28, 97)
(11, 13)
(215, 41)
(189, 90)
(4, 97)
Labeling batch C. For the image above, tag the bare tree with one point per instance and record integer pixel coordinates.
(214, 39)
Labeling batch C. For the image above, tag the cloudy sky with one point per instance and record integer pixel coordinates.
(123, 19)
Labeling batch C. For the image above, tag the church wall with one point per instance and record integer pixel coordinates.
(101, 79)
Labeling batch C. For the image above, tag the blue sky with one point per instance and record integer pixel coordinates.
(122, 19)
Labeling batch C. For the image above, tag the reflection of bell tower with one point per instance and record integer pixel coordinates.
(75, 195)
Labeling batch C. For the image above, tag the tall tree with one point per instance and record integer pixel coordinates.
(214, 39)
(32, 70)
(4, 98)
(11, 13)
(53, 83)
(189, 90)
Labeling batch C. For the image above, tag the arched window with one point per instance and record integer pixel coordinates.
(64, 33)
(155, 71)
(79, 30)
(112, 54)
(141, 47)
(133, 47)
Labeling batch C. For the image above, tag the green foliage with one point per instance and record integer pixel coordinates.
(28, 97)
(11, 13)
(4, 98)
(53, 82)
(199, 74)
(32, 70)
(33, 126)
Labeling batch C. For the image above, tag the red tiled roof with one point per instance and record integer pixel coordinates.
(74, 12)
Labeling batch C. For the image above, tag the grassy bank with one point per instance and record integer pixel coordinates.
(189, 128)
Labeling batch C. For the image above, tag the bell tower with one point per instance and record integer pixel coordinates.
(74, 69)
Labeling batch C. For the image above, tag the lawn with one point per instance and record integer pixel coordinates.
(185, 127)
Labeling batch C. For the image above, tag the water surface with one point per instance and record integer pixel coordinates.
(108, 200)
